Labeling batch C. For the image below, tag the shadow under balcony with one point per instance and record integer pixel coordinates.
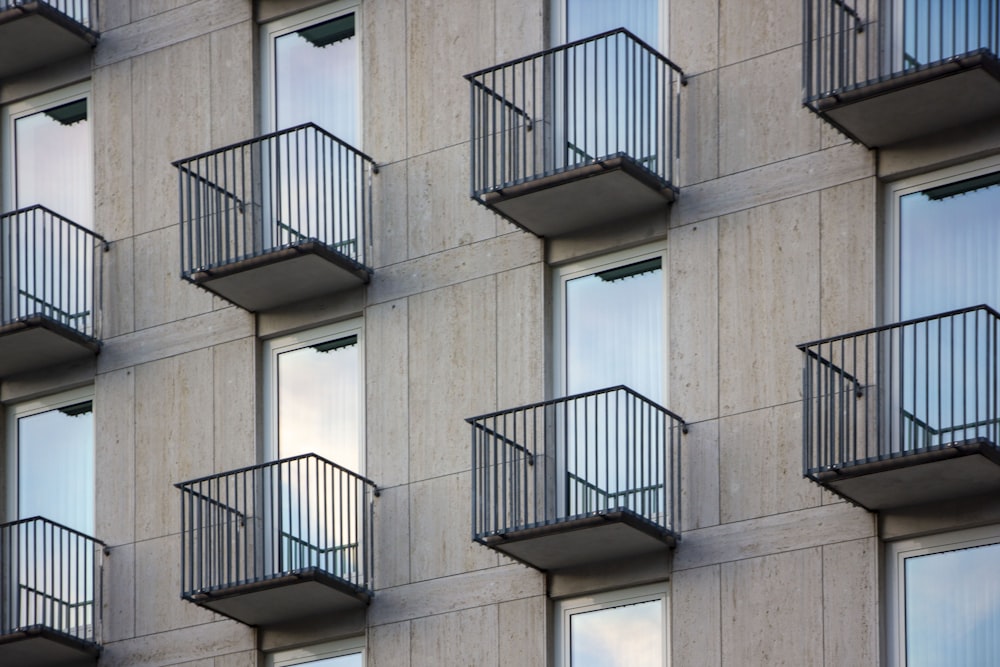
(579, 480)
(49, 270)
(278, 542)
(576, 136)
(904, 75)
(277, 219)
(35, 33)
(908, 413)
(50, 595)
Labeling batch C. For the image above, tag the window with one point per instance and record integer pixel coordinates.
(47, 154)
(343, 653)
(934, 30)
(611, 324)
(619, 629)
(944, 600)
(59, 429)
(311, 66)
(577, 19)
(314, 387)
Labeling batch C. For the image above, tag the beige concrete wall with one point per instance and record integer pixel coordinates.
(772, 242)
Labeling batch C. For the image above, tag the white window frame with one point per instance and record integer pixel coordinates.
(276, 346)
(274, 29)
(581, 268)
(24, 409)
(317, 652)
(894, 194)
(9, 115)
(558, 24)
(896, 554)
(566, 608)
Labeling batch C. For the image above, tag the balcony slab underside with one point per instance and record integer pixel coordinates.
(606, 536)
(39, 646)
(34, 35)
(955, 93)
(39, 342)
(952, 471)
(605, 191)
(284, 276)
(304, 593)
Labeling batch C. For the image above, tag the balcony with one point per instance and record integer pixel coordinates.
(579, 480)
(49, 267)
(277, 219)
(886, 72)
(50, 595)
(35, 33)
(576, 136)
(906, 414)
(278, 542)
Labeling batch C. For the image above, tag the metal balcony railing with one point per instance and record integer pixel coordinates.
(281, 190)
(49, 267)
(610, 95)
(851, 44)
(83, 12)
(50, 576)
(603, 451)
(902, 389)
(264, 522)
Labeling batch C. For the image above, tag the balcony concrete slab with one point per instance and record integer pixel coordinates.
(956, 470)
(955, 93)
(34, 34)
(307, 593)
(602, 192)
(39, 646)
(284, 276)
(593, 539)
(39, 342)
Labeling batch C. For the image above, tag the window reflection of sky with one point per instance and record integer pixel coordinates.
(590, 17)
(56, 468)
(625, 636)
(317, 84)
(353, 660)
(953, 608)
(53, 166)
(938, 29)
(318, 404)
(948, 250)
(615, 333)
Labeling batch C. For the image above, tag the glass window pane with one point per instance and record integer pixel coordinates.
(591, 17)
(62, 492)
(316, 73)
(934, 30)
(615, 330)
(953, 608)
(52, 163)
(625, 636)
(319, 401)
(948, 242)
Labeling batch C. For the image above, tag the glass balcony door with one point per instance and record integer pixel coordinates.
(929, 31)
(949, 232)
(614, 331)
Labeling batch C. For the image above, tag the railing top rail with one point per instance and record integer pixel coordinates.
(268, 464)
(74, 531)
(573, 397)
(898, 325)
(563, 47)
(38, 207)
(56, 7)
(270, 135)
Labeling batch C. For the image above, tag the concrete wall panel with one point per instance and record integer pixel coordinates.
(522, 630)
(236, 399)
(452, 374)
(160, 294)
(768, 301)
(174, 430)
(384, 77)
(696, 617)
(118, 604)
(751, 29)
(392, 537)
(694, 35)
(771, 615)
(850, 603)
(699, 130)
(761, 115)
(848, 246)
(389, 645)
(158, 605)
(114, 417)
(760, 464)
(521, 337)
(387, 403)
(112, 140)
(700, 494)
(444, 639)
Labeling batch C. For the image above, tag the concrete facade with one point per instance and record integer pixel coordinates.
(776, 238)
